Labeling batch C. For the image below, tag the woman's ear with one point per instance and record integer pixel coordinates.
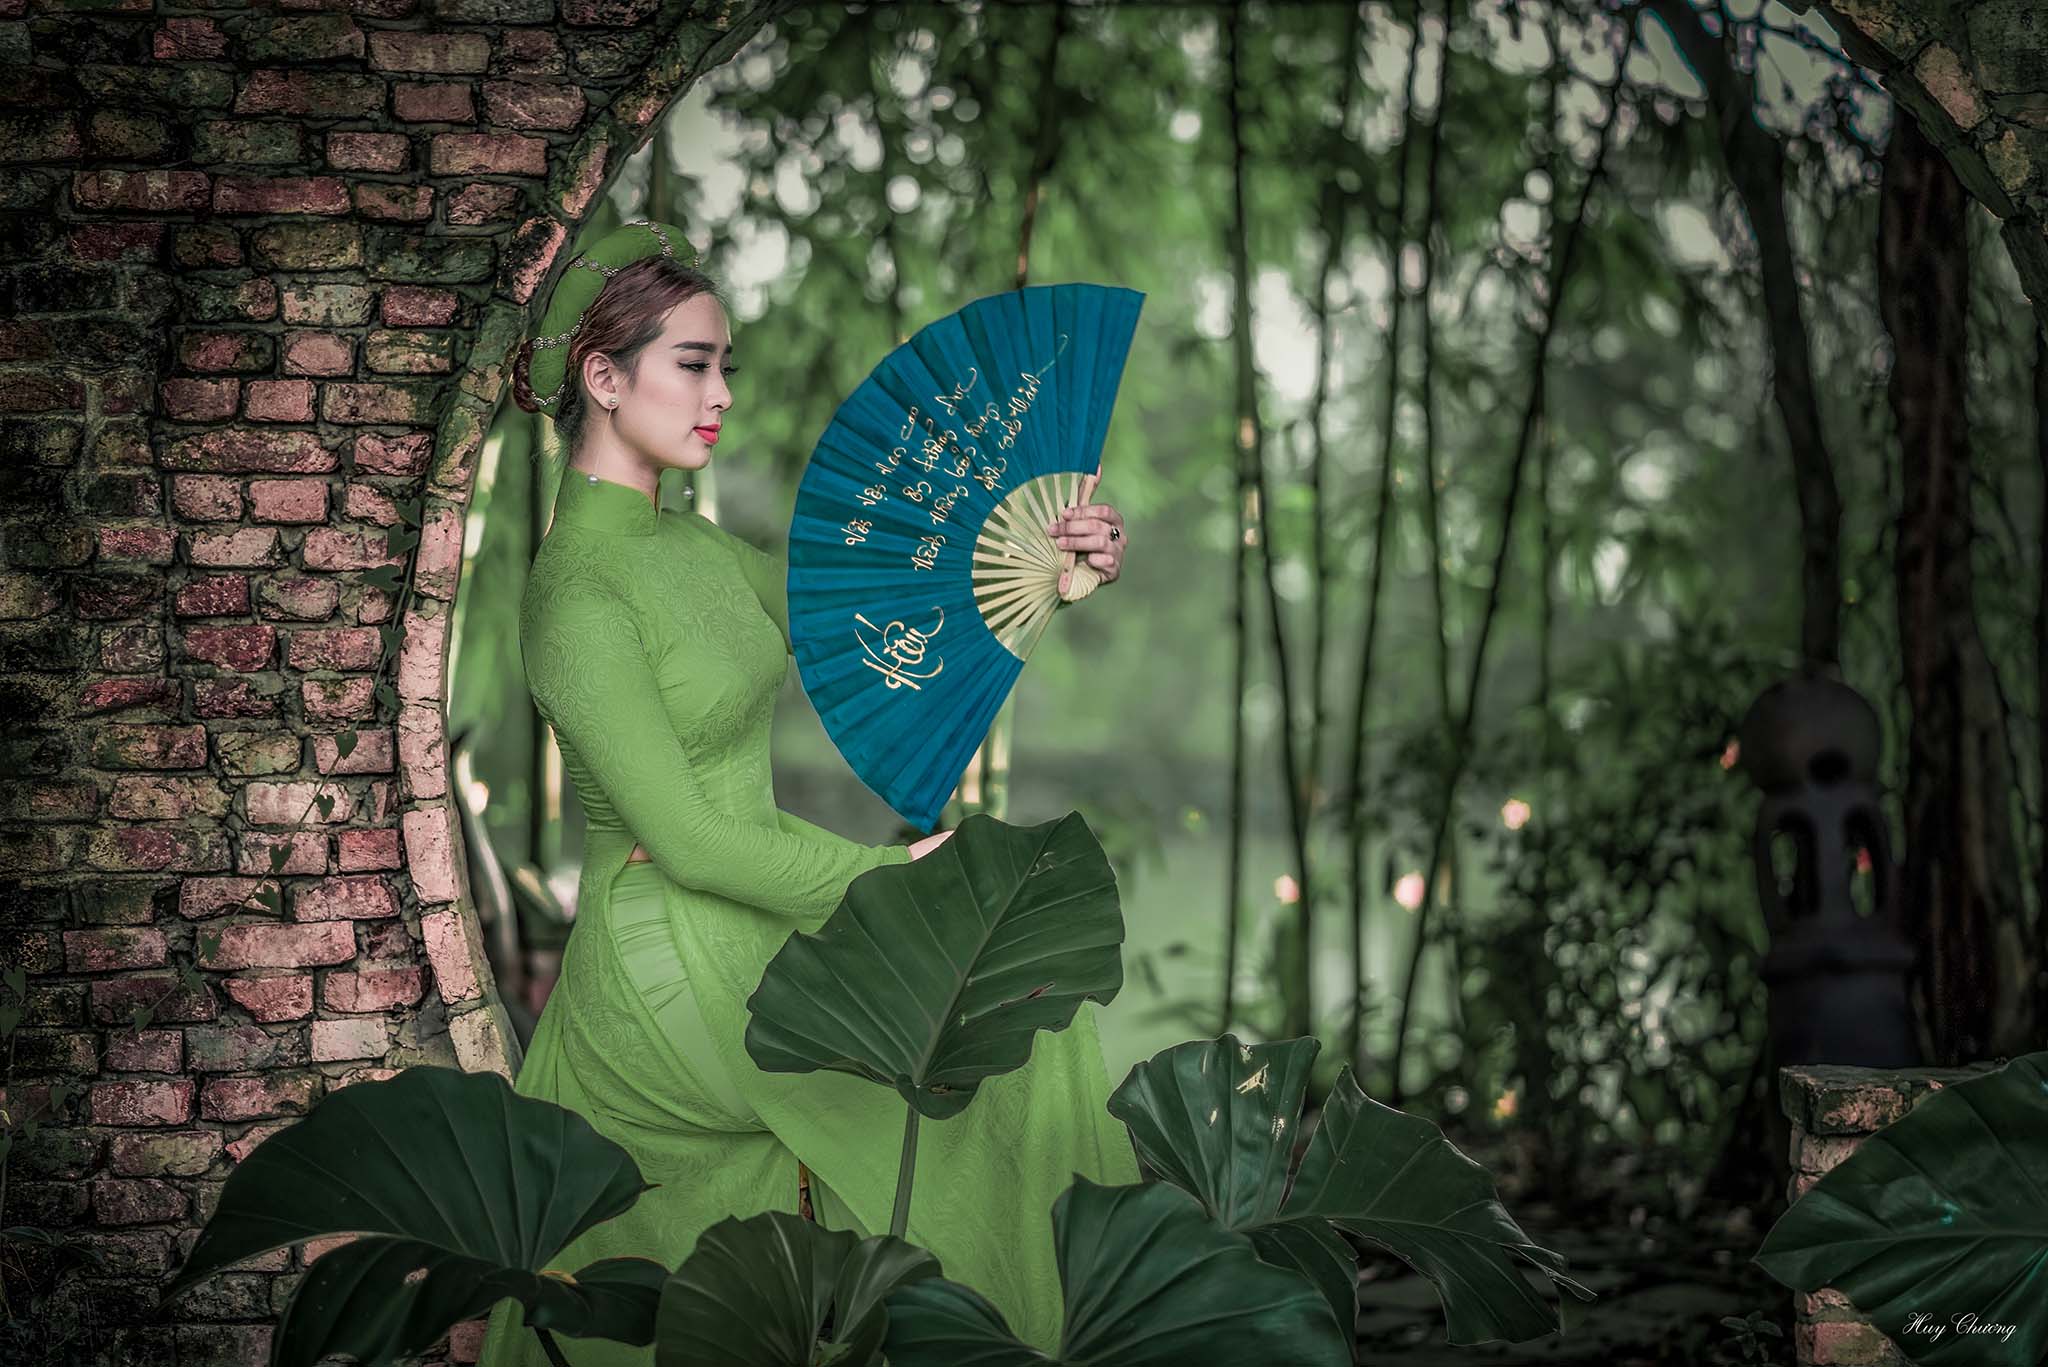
(601, 379)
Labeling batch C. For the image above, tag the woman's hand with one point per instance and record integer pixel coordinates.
(931, 842)
(1098, 530)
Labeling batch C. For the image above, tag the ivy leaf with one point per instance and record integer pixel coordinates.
(399, 539)
(345, 744)
(141, 1017)
(271, 899)
(410, 510)
(10, 1016)
(385, 577)
(325, 802)
(17, 983)
(279, 854)
(387, 695)
(189, 976)
(392, 635)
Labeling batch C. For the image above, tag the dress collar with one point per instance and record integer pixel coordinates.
(584, 500)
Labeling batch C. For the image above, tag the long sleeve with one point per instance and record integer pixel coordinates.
(591, 678)
(768, 576)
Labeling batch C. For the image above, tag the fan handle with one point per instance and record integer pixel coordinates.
(1076, 584)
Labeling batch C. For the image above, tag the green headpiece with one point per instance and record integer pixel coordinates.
(579, 286)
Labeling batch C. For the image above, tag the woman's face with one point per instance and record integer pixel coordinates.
(669, 410)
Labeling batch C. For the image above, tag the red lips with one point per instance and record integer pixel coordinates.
(710, 435)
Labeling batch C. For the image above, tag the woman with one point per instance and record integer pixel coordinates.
(655, 644)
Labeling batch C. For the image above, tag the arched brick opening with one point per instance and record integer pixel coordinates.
(264, 268)
(1975, 77)
(264, 272)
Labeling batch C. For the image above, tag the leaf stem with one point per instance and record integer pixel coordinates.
(899, 1219)
(548, 1346)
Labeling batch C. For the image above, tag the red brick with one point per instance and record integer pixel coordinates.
(41, 394)
(118, 695)
(242, 1049)
(206, 246)
(205, 350)
(189, 40)
(337, 648)
(234, 697)
(130, 650)
(151, 747)
(239, 1151)
(114, 1000)
(157, 798)
(280, 195)
(469, 154)
(355, 1037)
(136, 1201)
(249, 753)
(314, 93)
(448, 953)
(374, 990)
(206, 498)
(329, 548)
(203, 897)
(419, 305)
(279, 401)
(253, 1098)
(288, 500)
(437, 53)
(328, 303)
(244, 548)
(256, 449)
(146, 1051)
(108, 597)
(361, 502)
(365, 897)
(115, 242)
(242, 648)
(274, 997)
(103, 951)
(156, 192)
(142, 1103)
(216, 595)
(318, 353)
(180, 1153)
(409, 353)
(175, 849)
(532, 104)
(368, 850)
(433, 102)
(306, 852)
(293, 804)
(298, 598)
(281, 946)
(368, 151)
(55, 801)
(199, 400)
(138, 545)
(530, 52)
(395, 203)
(420, 656)
(383, 454)
(329, 700)
(374, 403)
(483, 202)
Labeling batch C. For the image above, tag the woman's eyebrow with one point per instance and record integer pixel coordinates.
(700, 346)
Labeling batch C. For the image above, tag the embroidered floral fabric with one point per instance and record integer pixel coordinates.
(655, 643)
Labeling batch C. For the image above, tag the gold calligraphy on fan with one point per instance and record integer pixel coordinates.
(898, 651)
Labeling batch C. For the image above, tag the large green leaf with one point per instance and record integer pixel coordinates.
(1936, 1228)
(1150, 1281)
(757, 1293)
(1218, 1119)
(932, 976)
(459, 1192)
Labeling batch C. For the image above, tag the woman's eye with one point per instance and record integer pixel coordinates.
(706, 365)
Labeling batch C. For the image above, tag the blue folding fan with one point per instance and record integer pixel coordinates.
(920, 571)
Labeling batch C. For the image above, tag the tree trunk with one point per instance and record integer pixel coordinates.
(1755, 161)
(1961, 878)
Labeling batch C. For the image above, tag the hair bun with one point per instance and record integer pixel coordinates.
(522, 381)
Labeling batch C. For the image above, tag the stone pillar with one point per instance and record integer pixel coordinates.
(1833, 1109)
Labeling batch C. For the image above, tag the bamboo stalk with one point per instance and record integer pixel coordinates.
(1532, 413)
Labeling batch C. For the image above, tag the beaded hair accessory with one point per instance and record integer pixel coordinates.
(581, 282)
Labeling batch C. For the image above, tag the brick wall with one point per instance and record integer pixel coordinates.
(1832, 1110)
(263, 265)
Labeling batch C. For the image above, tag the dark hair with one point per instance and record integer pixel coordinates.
(620, 322)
